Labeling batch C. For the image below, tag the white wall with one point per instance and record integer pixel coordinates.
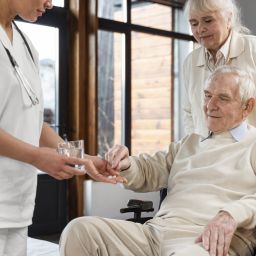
(106, 200)
(248, 8)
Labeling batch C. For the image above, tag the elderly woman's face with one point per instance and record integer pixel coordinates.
(211, 30)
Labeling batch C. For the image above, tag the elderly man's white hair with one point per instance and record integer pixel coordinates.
(247, 87)
(227, 8)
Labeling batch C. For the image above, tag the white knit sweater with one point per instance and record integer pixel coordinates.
(203, 178)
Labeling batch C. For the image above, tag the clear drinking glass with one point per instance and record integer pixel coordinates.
(72, 149)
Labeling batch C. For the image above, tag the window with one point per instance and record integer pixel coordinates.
(151, 92)
(110, 92)
(151, 15)
(140, 51)
(49, 65)
(59, 3)
(113, 10)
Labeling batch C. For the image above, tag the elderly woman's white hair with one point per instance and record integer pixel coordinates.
(247, 88)
(224, 7)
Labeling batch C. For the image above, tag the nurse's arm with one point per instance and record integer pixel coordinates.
(95, 166)
(14, 148)
(45, 159)
(49, 138)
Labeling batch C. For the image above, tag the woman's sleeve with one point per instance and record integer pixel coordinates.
(187, 114)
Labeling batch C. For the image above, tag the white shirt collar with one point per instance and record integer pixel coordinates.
(224, 50)
(238, 133)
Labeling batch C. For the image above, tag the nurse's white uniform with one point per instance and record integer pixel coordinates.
(24, 121)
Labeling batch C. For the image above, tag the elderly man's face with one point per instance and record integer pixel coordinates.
(222, 103)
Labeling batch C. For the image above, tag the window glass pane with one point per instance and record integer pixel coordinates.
(151, 92)
(181, 50)
(152, 15)
(112, 9)
(181, 22)
(109, 90)
(59, 3)
(48, 59)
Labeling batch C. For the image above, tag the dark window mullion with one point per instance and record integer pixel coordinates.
(128, 89)
(66, 2)
(117, 26)
(172, 74)
(128, 80)
(129, 11)
(64, 128)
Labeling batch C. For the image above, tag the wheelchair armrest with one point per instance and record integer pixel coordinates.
(135, 205)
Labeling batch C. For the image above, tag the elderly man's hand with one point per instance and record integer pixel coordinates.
(118, 157)
(100, 170)
(218, 233)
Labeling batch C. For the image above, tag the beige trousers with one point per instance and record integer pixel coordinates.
(94, 236)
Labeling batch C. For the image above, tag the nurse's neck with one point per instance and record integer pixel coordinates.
(8, 30)
(6, 19)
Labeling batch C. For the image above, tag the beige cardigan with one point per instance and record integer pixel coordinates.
(203, 177)
(242, 53)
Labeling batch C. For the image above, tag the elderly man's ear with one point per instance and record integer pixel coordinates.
(248, 106)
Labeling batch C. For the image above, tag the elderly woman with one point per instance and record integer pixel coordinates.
(222, 39)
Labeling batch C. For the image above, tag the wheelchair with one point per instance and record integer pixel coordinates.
(139, 206)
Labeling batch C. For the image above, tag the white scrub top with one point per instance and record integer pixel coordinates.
(17, 179)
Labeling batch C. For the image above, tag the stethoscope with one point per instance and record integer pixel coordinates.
(20, 75)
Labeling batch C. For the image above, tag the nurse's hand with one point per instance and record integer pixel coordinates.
(58, 166)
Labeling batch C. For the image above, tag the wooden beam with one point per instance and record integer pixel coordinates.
(82, 89)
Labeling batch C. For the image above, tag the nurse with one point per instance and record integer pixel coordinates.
(26, 142)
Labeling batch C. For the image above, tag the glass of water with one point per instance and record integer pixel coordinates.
(73, 148)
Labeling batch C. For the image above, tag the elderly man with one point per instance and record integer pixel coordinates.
(210, 208)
